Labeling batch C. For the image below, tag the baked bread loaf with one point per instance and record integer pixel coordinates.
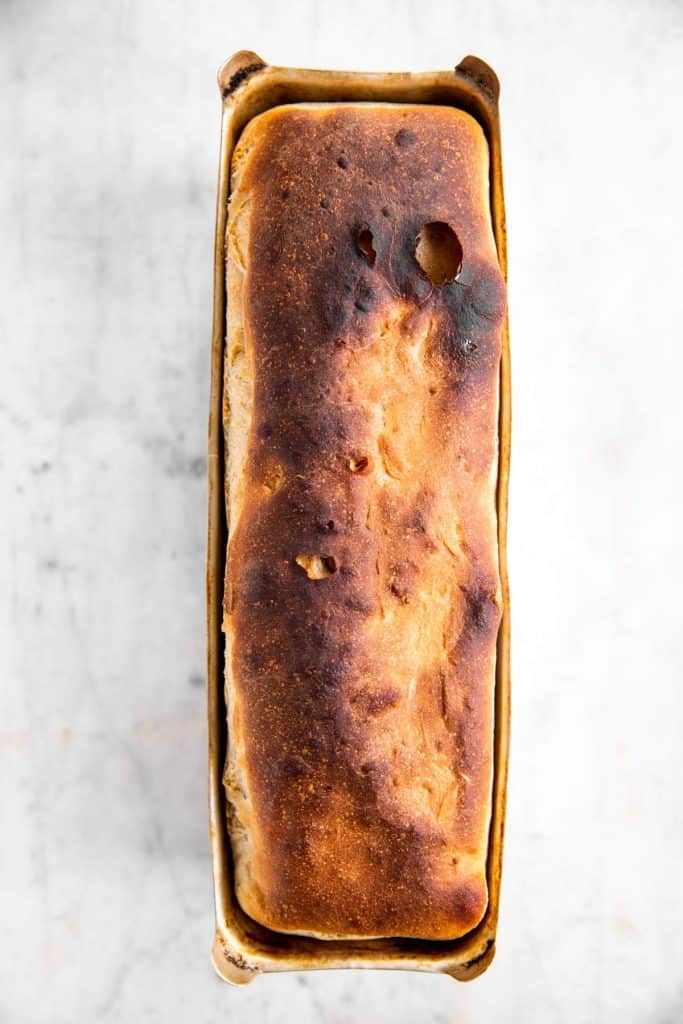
(362, 594)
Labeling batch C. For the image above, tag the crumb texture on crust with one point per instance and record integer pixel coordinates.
(362, 599)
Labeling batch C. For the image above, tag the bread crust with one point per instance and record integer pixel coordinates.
(362, 598)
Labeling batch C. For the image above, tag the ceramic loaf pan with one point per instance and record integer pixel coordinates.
(243, 948)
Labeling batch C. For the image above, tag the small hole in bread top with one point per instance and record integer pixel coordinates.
(359, 464)
(364, 242)
(439, 252)
(317, 567)
(273, 480)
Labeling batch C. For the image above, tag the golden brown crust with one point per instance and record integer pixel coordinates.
(362, 591)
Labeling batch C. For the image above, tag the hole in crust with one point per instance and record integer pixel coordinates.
(360, 464)
(273, 480)
(317, 567)
(439, 252)
(364, 242)
(404, 137)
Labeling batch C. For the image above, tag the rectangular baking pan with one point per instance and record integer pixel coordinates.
(243, 948)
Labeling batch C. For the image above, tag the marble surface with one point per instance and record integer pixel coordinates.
(109, 121)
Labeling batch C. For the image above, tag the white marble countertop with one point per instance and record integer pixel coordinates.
(109, 120)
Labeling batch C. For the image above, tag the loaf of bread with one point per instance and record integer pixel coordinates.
(362, 593)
